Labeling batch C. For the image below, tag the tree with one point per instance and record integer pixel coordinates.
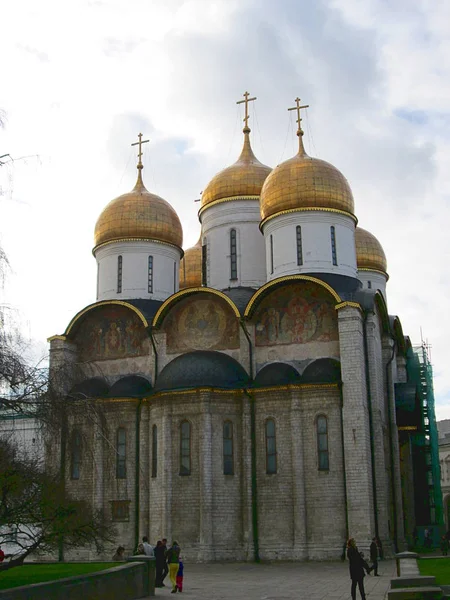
(35, 510)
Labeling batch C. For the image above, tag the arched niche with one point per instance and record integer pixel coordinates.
(131, 386)
(276, 373)
(322, 370)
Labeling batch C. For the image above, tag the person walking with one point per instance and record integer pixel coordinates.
(148, 550)
(165, 567)
(160, 562)
(374, 556)
(173, 560)
(357, 566)
(180, 576)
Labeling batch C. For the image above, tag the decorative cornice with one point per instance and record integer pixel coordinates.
(289, 211)
(157, 319)
(296, 386)
(348, 304)
(236, 392)
(374, 271)
(120, 240)
(105, 303)
(275, 282)
(57, 337)
(228, 199)
(407, 428)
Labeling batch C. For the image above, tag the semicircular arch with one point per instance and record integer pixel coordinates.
(91, 307)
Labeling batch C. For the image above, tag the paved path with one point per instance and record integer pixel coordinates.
(277, 581)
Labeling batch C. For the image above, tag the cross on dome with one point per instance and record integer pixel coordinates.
(246, 101)
(139, 143)
(298, 107)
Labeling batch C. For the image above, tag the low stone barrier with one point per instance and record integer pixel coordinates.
(409, 583)
(129, 581)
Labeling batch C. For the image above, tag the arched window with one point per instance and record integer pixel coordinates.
(75, 454)
(185, 448)
(119, 274)
(204, 263)
(322, 443)
(228, 466)
(233, 255)
(154, 451)
(299, 245)
(121, 453)
(150, 274)
(333, 245)
(369, 285)
(271, 448)
(271, 253)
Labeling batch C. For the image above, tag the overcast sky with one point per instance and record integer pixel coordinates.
(80, 79)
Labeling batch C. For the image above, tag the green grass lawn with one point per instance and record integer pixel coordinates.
(439, 567)
(38, 573)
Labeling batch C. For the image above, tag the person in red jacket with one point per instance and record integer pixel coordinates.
(2, 555)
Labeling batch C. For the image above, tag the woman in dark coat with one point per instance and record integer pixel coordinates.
(357, 566)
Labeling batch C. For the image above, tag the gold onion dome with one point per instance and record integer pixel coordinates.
(243, 180)
(305, 183)
(191, 267)
(369, 252)
(138, 215)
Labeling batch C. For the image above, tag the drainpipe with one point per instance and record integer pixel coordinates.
(372, 443)
(343, 461)
(252, 449)
(391, 447)
(137, 473)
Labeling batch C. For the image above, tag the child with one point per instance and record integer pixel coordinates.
(180, 577)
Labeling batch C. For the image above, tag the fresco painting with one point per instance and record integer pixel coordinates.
(201, 323)
(112, 332)
(296, 314)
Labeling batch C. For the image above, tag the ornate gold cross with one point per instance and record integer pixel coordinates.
(139, 143)
(246, 101)
(299, 120)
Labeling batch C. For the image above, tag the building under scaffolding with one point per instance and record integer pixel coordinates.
(419, 449)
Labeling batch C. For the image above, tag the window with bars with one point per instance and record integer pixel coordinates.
(299, 245)
(119, 274)
(75, 454)
(185, 448)
(271, 253)
(322, 443)
(333, 245)
(271, 448)
(204, 264)
(154, 451)
(121, 453)
(228, 463)
(233, 255)
(150, 274)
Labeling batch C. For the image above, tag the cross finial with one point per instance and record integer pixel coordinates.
(246, 101)
(139, 143)
(299, 119)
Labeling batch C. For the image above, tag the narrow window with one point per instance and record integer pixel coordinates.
(150, 274)
(204, 264)
(75, 454)
(271, 254)
(119, 274)
(369, 285)
(120, 510)
(333, 245)
(154, 451)
(233, 255)
(228, 467)
(322, 443)
(271, 448)
(299, 246)
(121, 453)
(185, 448)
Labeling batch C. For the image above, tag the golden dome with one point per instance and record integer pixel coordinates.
(242, 180)
(138, 215)
(191, 267)
(305, 183)
(369, 252)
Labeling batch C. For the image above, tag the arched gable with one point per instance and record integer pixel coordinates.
(276, 373)
(200, 321)
(295, 311)
(95, 387)
(322, 370)
(131, 386)
(109, 330)
(380, 303)
(397, 332)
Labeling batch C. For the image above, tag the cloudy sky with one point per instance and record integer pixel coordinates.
(81, 78)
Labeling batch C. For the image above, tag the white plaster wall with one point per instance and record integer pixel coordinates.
(217, 222)
(135, 270)
(377, 280)
(316, 244)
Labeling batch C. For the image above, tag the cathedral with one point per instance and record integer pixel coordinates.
(243, 389)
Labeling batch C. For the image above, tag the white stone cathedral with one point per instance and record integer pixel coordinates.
(246, 386)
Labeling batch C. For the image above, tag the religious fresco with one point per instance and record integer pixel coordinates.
(201, 322)
(296, 314)
(111, 332)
